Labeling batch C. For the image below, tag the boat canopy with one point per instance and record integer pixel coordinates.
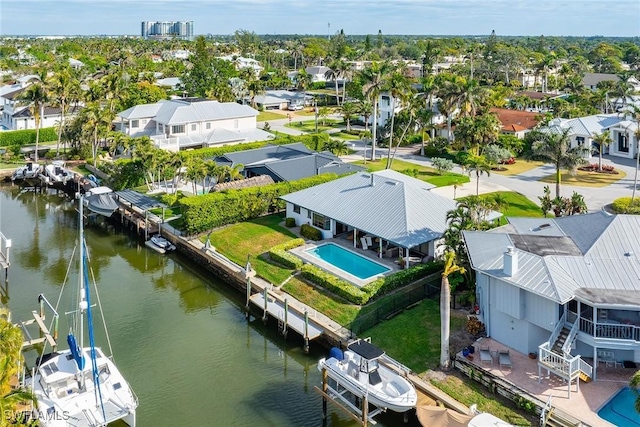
(102, 204)
(365, 350)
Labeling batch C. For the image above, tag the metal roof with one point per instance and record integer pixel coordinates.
(139, 200)
(177, 111)
(599, 296)
(595, 250)
(248, 157)
(397, 207)
(585, 126)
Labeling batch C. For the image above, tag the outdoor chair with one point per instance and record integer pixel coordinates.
(504, 358)
(368, 240)
(363, 242)
(485, 355)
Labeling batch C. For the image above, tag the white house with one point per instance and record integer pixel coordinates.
(187, 123)
(591, 80)
(539, 280)
(581, 129)
(400, 211)
(318, 73)
(625, 140)
(280, 99)
(242, 63)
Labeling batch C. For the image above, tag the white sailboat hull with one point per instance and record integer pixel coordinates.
(394, 392)
(61, 402)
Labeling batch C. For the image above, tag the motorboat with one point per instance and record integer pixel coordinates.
(56, 172)
(26, 171)
(100, 200)
(358, 370)
(160, 244)
(81, 386)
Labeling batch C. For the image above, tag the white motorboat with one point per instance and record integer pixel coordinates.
(100, 200)
(27, 171)
(56, 172)
(160, 244)
(358, 370)
(81, 386)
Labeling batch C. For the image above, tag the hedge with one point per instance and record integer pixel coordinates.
(204, 212)
(27, 136)
(402, 278)
(290, 222)
(332, 283)
(279, 254)
(623, 206)
(310, 232)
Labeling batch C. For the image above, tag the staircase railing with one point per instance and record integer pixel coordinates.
(586, 368)
(566, 347)
(546, 412)
(556, 332)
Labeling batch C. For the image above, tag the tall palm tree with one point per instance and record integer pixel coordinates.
(64, 87)
(334, 73)
(603, 140)
(365, 109)
(555, 148)
(375, 78)
(634, 111)
(399, 88)
(96, 124)
(450, 266)
(36, 95)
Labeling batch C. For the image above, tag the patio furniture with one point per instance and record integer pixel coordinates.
(608, 358)
(485, 355)
(504, 358)
(368, 240)
(363, 242)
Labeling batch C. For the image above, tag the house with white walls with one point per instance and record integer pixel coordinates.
(192, 123)
(564, 288)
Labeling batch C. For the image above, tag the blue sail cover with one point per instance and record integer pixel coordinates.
(76, 352)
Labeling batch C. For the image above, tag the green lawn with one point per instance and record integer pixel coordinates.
(310, 125)
(253, 238)
(270, 115)
(424, 173)
(518, 167)
(517, 205)
(344, 135)
(586, 179)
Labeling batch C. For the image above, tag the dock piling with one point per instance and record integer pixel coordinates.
(306, 331)
(266, 303)
(325, 386)
(286, 315)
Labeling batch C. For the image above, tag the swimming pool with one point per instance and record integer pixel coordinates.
(347, 261)
(619, 409)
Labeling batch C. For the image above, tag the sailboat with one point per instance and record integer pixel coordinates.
(81, 386)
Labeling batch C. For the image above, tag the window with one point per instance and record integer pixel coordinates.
(177, 129)
(296, 209)
(134, 123)
(144, 121)
(386, 101)
(623, 143)
(321, 221)
(194, 127)
(580, 140)
(208, 126)
(308, 214)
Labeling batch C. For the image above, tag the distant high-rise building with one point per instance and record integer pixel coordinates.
(167, 30)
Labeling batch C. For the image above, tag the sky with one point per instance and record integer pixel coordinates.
(321, 17)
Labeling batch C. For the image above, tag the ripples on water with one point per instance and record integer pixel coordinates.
(179, 335)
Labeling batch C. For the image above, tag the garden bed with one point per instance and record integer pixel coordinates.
(593, 167)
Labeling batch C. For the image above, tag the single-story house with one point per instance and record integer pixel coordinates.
(398, 210)
(190, 122)
(581, 130)
(279, 99)
(591, 80)
(318, 73)
(286, 162)
(539, 280)
(516, 122)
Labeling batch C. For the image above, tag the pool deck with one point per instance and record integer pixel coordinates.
(301, 252)
(583, 405)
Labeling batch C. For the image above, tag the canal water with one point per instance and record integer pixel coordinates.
(179, 334)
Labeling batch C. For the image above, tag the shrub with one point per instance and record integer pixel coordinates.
(496, 154)
(290, 222)
(411, 172)
(402, 278)
(623, 205)
(204, 212)
(442, 165)
(310, 232)
(279, 253)
(338, 286)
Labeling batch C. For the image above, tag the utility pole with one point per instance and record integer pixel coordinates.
(329, 30)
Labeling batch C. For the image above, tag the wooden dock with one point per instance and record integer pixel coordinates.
(294, 319)
(44, 331)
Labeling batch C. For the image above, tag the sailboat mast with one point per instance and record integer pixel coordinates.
(83, 300)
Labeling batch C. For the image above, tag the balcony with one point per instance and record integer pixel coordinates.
(608, 327)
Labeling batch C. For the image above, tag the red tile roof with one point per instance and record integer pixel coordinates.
(516, 120)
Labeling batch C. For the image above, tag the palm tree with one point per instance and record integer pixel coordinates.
(63, 88)
(634, 383)
(365, 109)
(347, 110)
(36, 95)
(96, 123)
(375, 78)
(334, 73)
(399, 88)
(480, 166)
(603, 140)
(450, 267)
(634, 111)
(555, 148)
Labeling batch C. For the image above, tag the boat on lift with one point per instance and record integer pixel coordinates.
(358, 370)
(57, 172)
(160, 244)
(29, 170)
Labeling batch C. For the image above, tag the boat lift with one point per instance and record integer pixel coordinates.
(39, 318)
